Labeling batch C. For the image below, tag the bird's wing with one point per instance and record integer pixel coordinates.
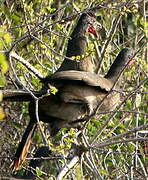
(88, 78)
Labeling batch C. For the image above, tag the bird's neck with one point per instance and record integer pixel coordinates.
(115, 71)
(77, 46)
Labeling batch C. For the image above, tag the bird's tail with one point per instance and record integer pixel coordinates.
(23, 147)
(20, 95)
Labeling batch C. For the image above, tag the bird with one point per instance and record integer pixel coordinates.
(77, 45)
(79, 94)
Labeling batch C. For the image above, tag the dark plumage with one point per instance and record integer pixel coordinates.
(79, 94)
(77, 45)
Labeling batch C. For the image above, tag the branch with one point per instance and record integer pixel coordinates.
(33, 30)
(128, 96)
(9, 93)
(128, 132)
(79, 150)
(27, 65)
(125, 111)
(67, 167)
(100, 145)
(16, 77)
(108, 40)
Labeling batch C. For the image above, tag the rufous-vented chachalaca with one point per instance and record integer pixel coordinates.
(79, 94)
(77, 46)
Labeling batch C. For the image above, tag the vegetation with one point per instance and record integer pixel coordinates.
(36, 32)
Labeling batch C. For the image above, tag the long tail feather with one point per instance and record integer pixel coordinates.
(23, 147)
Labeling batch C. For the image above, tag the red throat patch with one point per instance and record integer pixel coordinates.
(131, 62)
(92, 30)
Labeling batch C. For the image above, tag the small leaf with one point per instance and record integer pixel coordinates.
(1, 96)
(2, 80)
(7, 38)
(3, 63)
(53, 90)
(2, 114)
(38, 172)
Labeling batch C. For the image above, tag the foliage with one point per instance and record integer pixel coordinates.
(5, 40)
(39, 33)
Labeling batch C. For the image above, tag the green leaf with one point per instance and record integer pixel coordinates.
(2, 80)
(2, 114)
(38, 172)
(3, 63)
(37, 138)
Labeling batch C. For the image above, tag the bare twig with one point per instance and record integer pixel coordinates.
(33, 30)
(27, 65)
(129, 95)
(38, 121)
(124, 111)
(67, 167)
(51, 49)
(109, 39)
(16, 77)
(136, 129)
(104, 144)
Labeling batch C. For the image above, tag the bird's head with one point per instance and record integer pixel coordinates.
(87, 23)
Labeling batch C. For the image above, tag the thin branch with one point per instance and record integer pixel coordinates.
(27, 65)
(111, 142)
(67, 167)
(104, 144)
(109, 39)
(129, 95)
(124, 111)
(93, 168)
(136, 129)
(16, 77)
(38, 121)
(33, 31)
(143, 168)
(51, 49)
